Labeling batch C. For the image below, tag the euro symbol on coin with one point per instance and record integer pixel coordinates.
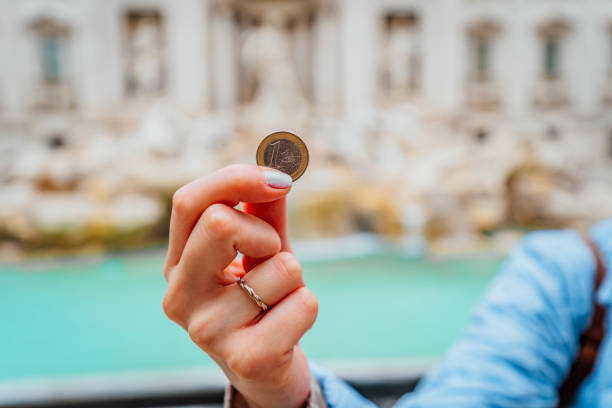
(285, 152)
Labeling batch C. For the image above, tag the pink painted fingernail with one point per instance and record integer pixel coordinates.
(277, 179)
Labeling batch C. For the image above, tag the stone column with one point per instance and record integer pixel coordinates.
(523, 46)
(224, 58)
(358, 34)
(326, 75)
(110, 66)
(303, 51)
(444, 55)
(11, 94)
(584, 47)
(86, 67)
(186, 52)
(19, 61)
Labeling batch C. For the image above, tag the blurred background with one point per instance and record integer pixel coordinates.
(439, 132)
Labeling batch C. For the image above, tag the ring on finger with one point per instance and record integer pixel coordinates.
(251, 293)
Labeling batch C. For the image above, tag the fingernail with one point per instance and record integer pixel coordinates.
(277, 179)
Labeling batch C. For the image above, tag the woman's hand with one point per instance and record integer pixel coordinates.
(258, 351)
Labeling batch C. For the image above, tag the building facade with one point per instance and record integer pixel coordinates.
(515, 58)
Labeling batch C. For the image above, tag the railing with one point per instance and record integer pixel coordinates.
(382, 383)
(383, 394)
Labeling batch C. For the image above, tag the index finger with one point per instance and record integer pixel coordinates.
(229, 185)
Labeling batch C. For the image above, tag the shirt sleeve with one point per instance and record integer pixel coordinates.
(337, 393)
(523, 335)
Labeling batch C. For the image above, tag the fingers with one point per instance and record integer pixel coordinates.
(272, 280)
(275, 214)
(220, 232)
(256, 348)
(229, 185)
(285, 324)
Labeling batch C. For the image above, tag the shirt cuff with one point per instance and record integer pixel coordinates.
(233, 399)
(337, 393)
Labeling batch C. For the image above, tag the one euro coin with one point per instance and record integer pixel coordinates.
(285, 152)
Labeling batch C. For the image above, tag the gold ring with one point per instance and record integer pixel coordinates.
(249, 291)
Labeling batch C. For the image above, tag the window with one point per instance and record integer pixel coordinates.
(552, 35)
(551, 90)
(551, 58)
(481, 38)
(52, 39)
(482, 89)
(51, 50)
(483, 56)
(483, 65)
(144, 70)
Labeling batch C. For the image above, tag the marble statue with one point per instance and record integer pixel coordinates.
(145, 56)
(401, 59)
(266, 56)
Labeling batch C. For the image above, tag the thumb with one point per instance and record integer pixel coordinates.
(275, 214)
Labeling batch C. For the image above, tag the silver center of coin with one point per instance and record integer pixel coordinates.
(283, 155)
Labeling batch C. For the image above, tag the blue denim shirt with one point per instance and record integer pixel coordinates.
(523, 335)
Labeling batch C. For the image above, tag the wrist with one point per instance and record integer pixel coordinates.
(265, 399)
(316, 399)
(292, 391)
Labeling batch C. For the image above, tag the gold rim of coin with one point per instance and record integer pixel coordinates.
(299, 143)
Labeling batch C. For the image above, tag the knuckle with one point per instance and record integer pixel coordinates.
(166, 273)
(288, 265)
(218, 220)
(169, 272)
(308, 303)
(201, 332)
(170, 307)
(275, 242)
(245, 364)
(181, 200)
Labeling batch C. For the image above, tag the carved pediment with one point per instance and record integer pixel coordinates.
(50, 27)
(483, 28)
(554, 28)
(255, 9)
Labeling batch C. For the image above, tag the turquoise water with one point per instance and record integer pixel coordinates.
(106, 316)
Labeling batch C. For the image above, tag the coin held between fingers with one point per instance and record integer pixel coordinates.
(285, 152)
